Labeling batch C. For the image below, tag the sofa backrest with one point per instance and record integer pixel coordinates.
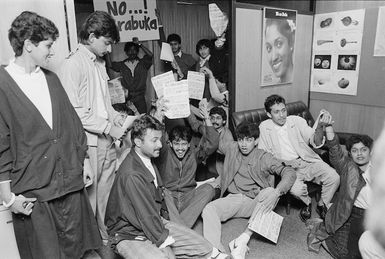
(258, 115)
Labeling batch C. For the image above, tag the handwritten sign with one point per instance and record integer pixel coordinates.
(196, 84)
(176, 97)
(134, 18)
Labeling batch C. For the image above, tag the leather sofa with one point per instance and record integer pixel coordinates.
(256, 116)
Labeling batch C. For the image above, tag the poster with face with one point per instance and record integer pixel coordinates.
(279, 27)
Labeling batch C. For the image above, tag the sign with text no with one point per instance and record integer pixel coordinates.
(134, 18)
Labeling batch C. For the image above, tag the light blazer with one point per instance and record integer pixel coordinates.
(300, 136)
(79, 79)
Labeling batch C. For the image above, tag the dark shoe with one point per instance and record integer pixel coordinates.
(321, 210)
(305, 213)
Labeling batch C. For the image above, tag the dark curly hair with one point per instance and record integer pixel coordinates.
(354, 139)
(33, 27)
(247, 130)
(101, 24)
(220, 111)
(273, 99)
(141, 125)
(203, 42)
(180, 133)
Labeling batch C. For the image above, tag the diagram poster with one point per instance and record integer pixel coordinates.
(336, 52)
(279, 27)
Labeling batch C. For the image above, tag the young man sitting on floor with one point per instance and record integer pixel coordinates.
(343, 224)
(177, 163)
(248, 180)
(136, 217)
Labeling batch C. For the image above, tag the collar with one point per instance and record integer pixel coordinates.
(19, 69)
(145, 159)
(82, 48)
(179, 54)
(202, 61)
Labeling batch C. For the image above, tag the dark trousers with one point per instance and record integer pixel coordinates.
(185, 208)
(344, 243)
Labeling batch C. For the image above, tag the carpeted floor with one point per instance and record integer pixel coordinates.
(291, 242)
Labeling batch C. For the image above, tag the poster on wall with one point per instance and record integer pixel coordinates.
(379, 43)
(278, 44)
(336, 52)
(134, 18)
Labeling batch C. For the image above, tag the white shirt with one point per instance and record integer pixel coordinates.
(287, 150)
(179, 54)
(363, 198)
(147, 162)
(34, 86)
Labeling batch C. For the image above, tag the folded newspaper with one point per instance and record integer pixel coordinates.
(267, 225)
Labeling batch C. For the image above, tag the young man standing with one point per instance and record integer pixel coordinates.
(178, 163)
(137, 217)
(248, 178)
(84, 78)
(134, 72)
(183, 62)
(288, 138)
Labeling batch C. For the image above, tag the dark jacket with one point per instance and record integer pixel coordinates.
(179, 175)
(262, 168)
(41, 162)
(351, 183)
(135, 205)
(136, 85)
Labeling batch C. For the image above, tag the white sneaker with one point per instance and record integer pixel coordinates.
(238, 252)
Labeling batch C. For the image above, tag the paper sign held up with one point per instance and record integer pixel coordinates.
(196, 84)
(160, 81)
(176, 97)
(166, 52)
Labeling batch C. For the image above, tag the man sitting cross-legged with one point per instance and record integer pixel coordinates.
(248, 179)
(288, 138)
(177, 163)
(136, 216)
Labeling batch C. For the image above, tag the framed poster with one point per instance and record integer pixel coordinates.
(337, 51)
(278, 45)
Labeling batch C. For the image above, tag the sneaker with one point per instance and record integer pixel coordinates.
(321, 210)
(238, 252)
(305, 213)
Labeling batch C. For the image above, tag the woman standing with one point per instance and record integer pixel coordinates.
(42, 149)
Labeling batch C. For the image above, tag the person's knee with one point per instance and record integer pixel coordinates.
(208, 211)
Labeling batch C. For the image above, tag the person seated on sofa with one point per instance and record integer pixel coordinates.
(343, 223)
(178, 162)
(288, 138)
(247, 181)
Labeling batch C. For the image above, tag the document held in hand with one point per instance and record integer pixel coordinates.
(267, 225)
(166, 52)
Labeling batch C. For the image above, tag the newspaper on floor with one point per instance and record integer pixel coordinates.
(116, 91)
(267, 225)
